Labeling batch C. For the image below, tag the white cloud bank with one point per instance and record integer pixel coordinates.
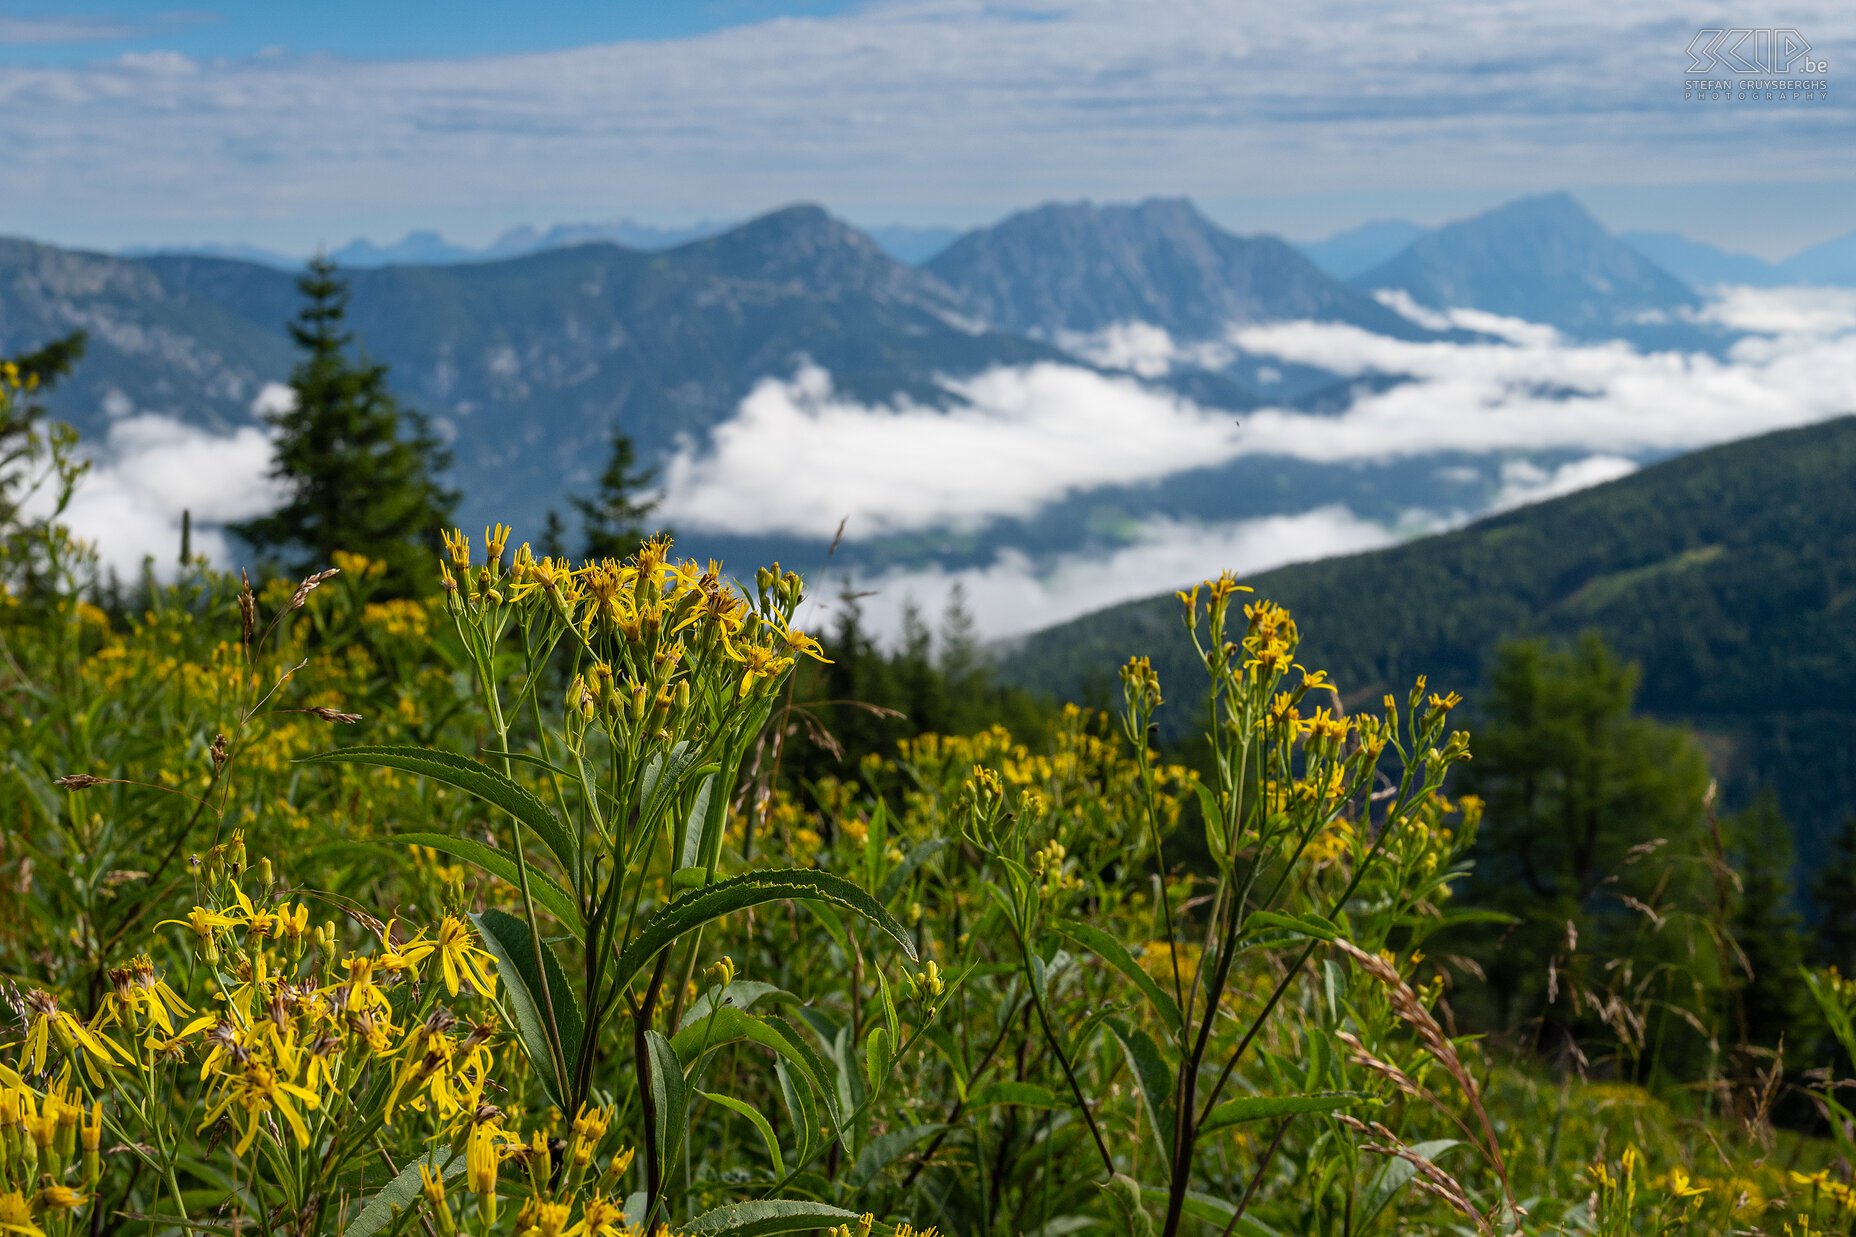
(798, 457)
(147, 471)
(1014, 595)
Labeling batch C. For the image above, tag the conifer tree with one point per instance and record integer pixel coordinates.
(1833, 891)
(616, 518)
(1766, 925)
(360, 471)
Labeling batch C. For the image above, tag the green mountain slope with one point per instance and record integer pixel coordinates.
(153, 347)
(1729, 574)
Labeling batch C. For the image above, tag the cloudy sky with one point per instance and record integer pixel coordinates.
(293, 125)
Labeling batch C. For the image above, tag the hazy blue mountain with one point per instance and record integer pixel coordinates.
(153, 347)
(424, 247)
(1833, 262)
(915, 245)
(1728, 574)
(532, 360)
(1699, 264)
(1541, 258)
(528, 239)
(1346, 254)
(241, 253)
(1081, 267)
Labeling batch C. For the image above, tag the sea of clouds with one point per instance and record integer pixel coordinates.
(800, 458)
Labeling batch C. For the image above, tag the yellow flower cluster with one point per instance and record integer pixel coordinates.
(647, 620)
(50, 1155)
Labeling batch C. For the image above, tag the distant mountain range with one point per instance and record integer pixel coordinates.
(1543, 259)
(429, 248)
(1729, 574)
(1356, 250)
(1831, 263)
(528, 361)
(1079, 268)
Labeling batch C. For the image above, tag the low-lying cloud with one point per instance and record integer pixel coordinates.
(798, 457)
(148, 470)
(1014, 595)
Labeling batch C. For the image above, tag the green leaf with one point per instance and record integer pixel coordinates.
(1124, 1193)
(509, 939)
(472, 777)
(728, 1025)
(877, 1057)
(502, 865)
(882, 1151)
(694, 826)
(1116, 955)
(1263, 1107)
(1394, 1176)
(1155, 1078)
(742, 994)
(1299, 925)
(1023, 1094)
(669, 1097)
(699, 906)
(745, 1109)
(398, 1194)
(1214, 822)
(754, 1219)
(918, 854)
(1216, 1212)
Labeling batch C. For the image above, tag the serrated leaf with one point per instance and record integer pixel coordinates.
(398, 1194)
(699, 906)
(764, 1216)
(473, 777)
(502, 865)
(742, 994)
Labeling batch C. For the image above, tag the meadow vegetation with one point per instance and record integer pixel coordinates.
(563, 899)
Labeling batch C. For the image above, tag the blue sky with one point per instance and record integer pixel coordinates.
(362, 29)
(292, 125)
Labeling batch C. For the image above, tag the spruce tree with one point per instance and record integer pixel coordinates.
(616, 518)
(360, 472)
(1833, 893)
(1766, 925)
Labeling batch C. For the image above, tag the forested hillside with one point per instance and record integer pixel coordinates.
(1729, 575)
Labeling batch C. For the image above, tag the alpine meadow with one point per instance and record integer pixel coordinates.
(1317, 707)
